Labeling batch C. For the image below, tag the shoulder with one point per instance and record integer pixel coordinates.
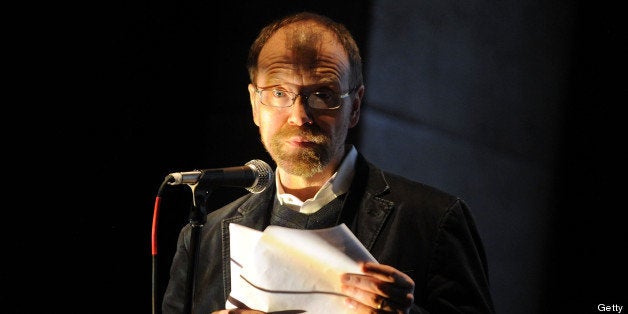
(411, 200)
(230, 209)
(401, 189)
(250, 209)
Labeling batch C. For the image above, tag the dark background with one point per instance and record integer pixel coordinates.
(110, 97)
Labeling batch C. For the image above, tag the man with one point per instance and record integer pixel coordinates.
(306, 90)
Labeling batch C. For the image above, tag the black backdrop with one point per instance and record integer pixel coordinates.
(110, 97)
(113, 96)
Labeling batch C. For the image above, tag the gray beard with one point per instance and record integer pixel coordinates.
(305, 163)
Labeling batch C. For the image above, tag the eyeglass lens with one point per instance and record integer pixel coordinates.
(280, 98)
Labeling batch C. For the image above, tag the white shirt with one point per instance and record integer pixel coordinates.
(337, 185)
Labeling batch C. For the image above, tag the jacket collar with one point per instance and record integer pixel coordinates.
(364, 214)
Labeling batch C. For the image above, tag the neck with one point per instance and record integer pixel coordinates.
(306, 187)
(303, 188)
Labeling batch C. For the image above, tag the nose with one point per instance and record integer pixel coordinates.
(300, 112)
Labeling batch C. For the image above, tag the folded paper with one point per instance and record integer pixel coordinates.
(285, 270)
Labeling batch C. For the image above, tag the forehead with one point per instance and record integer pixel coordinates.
(304, 48)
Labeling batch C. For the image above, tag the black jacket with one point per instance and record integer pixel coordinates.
(424, 232)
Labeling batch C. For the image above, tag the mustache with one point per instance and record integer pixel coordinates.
(309, 132)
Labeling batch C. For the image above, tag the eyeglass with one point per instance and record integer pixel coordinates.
(277, 97)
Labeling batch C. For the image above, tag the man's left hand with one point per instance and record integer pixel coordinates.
(381, 289)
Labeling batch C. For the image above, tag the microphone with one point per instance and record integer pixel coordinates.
(255, 176)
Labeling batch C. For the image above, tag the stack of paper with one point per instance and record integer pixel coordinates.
(292, 270)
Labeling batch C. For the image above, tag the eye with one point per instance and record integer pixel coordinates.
(278, 93)
(324, 95)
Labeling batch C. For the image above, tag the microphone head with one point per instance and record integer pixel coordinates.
(263, 175)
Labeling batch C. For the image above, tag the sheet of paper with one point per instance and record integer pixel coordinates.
(292, 270)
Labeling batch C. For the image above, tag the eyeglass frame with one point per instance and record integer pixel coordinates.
(306, 97)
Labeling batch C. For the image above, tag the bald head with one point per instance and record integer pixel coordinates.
(303, 35)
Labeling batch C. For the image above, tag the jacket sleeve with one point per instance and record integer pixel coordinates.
(457, 277)
(174, 297)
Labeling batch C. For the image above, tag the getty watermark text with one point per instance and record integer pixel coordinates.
(610, 307)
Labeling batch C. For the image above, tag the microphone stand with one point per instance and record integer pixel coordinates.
(198, 218)
(255, 170)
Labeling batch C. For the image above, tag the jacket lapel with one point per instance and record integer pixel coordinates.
(367, 208)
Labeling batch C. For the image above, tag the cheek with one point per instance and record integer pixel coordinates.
(268, 123)
(333, 125)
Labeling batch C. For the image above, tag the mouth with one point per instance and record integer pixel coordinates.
(300, 141)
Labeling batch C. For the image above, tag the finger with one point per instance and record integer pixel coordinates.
(389, 274)
(381, 279)
(384, 306)
(362, 296)
(366, 283)
(385, 281)
(370, 291)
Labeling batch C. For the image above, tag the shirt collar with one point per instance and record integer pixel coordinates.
(338, 184)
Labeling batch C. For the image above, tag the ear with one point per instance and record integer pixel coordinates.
(356, 103)
(254, 105)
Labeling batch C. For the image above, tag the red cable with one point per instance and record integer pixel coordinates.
(154, 229)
